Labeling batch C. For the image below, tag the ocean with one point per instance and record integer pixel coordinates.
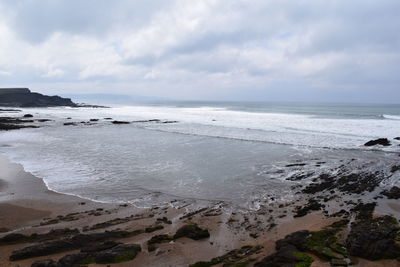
(244, 154)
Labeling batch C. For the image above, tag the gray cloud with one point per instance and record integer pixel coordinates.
(211, 49)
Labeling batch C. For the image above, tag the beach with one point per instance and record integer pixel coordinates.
(149, 197)
(26, 202)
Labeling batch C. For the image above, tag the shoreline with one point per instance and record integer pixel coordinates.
(44, 203)
(35, 219)
(40, 204)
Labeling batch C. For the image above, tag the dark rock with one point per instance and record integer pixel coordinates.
(312, 205)
(157, 240)
(69, 123)
(192, 231)
(53, 234)
(77, 241)
(23, 97)
(153, 228)
(42, 249)
(325, 245)
(28, 116)
(339, 263)
(73, 260)
(191, 214)
(380, 141)
(120, 122)
(4, 229)
(94, 119)
(164, 220)
(10, 123)
(296, 239)
(286, 256)
(358, 183)
(393, 193)
(327, 183)
(355, 183)
(43, 120)
(120, 253)
(375, 239)
(296, 165)
(13, 238)
(364, 211)
(108, 118)
(108, 252)
(397, 138)
(395, 168)
(236, 257)
(81, 239)
(100, 247)
(299, 176)
(45, 263)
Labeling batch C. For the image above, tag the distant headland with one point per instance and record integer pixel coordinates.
(23, 97)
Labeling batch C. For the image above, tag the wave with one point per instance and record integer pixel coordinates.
(391, 117)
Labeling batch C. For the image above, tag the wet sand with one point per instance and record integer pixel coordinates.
(27, 207)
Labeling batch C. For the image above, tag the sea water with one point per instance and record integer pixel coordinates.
(236, 153)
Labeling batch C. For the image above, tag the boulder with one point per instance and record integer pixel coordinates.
(28, 116)
(120, 122)
(380, 141)
(192, 231)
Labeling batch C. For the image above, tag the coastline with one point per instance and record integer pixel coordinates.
(26, 204)
(27, 208)
(346, 204)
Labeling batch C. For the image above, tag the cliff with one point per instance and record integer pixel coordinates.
(23, 97)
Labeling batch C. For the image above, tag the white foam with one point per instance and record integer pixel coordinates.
(391, 117)
(295, 129)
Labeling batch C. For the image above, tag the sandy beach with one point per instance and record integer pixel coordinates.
(27, 207)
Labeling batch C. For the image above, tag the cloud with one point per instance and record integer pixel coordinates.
(209, 49)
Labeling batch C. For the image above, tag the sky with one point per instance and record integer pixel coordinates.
(231, 50)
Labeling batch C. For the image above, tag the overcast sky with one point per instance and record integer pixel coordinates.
(263, 50)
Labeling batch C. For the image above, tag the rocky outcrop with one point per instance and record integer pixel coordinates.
(23, 97)
(106, 253)
(191, 231)
(312, 205)
(15, 238)
(393, 193)
(10, 123)
(236, 257)
(380, 141)
(75, 242)
(375, 239)
(293, 249)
